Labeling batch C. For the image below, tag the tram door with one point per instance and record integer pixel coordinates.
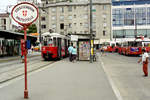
(66, 48)
(59, 47)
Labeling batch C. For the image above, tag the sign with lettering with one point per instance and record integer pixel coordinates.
(24, 13)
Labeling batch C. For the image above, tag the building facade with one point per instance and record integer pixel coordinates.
(74, 18)
(130, 18)
(5, 21)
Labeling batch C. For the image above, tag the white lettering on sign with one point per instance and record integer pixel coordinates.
(24, 13)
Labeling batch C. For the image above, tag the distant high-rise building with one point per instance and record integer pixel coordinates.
(131, 18)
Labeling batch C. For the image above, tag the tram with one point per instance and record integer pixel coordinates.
(54, 46)
(134, 47)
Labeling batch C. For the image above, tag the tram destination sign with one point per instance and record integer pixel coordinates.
(24, 13)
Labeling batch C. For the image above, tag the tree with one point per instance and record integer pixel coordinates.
(31, 29)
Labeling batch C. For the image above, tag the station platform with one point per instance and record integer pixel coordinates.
(62, 80)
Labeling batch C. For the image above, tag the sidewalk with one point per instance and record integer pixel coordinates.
(10, 58)
(63, 80)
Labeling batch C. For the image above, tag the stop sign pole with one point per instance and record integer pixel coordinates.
(25, 14)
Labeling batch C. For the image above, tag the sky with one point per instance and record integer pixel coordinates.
(5, 3)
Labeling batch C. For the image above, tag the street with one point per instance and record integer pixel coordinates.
(127, 75)
(78, 81)
(13, 67)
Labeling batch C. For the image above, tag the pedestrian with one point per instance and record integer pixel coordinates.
(144, 60)
(22, 56)
(74, 53)
(70, 52)
(102, 50)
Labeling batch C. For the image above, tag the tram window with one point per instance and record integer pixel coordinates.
(50, 41)
(136, 44)
(54, 42)
(45, 43)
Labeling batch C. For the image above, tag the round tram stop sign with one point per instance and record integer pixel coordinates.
(24, 13)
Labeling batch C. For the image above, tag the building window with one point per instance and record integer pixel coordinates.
(94, 16)
(70, 17)
(104, 15)
(53, 9)
(53, 18)
(74, 16)
(80, 24)
(53, 25)
(129, 16)
(86, 25)
(4, 21)
(140, 16)
(74, 7)
(104, 33)
(104, 7)
(104, 24)
(94, 25)
(86, 8)
(75, 24)
(70, 25)
(62, 9)
(148, 16)
(62, 26)
(43, 19)
(69, 8)
(93, 8)
(117, 17)
(61, 17)
(43, 26)
(85, 16)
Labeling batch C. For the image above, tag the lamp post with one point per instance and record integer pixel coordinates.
(91, 34)
(40, 28)
(135, 31)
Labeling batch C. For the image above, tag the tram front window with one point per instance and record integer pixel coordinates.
(135, 44)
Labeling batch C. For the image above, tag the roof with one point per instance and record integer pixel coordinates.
(77, 3)
(4, 15)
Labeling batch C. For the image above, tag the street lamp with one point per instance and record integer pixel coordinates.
(91, 34)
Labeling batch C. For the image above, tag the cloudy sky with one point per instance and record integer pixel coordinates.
(5, 3)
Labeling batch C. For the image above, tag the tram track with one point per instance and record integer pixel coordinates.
(14, 65)
(15, 73)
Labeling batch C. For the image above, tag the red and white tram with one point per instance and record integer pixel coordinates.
(134, 46)
(54, 46)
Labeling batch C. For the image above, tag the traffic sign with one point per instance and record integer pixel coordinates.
(24, 13)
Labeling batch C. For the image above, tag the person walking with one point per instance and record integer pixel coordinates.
(144, 60)
(74, 53)
(70, 52)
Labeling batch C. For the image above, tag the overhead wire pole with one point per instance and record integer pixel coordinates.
(40, 40)
(135, 31)
(91, 34)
